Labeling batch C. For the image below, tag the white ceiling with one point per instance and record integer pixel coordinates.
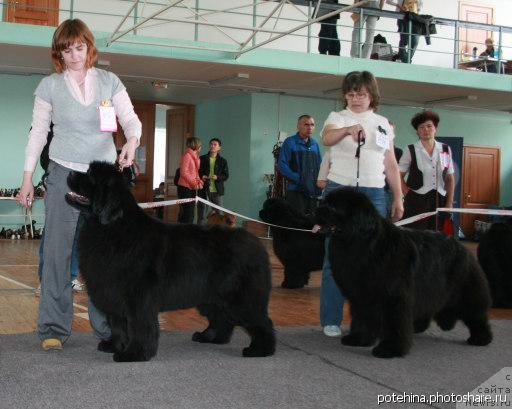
(188, 81)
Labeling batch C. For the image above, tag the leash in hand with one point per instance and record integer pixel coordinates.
(360, 142)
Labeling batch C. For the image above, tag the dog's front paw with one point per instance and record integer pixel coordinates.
(129, 357)
(255, 352)
(106, 346)
(291, 284)
(357, 340)
(208, 335)
(386, 350)
(480, 340)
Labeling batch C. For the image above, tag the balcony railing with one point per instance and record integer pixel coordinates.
(238, 27)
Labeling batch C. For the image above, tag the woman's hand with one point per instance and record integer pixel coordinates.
(397, 210)
(26, 194)
(127, 154)
(354, 132)
(321, 183)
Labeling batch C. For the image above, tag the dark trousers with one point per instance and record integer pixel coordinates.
(301, 202)
(415, 203)
(187, 210)
(403, 28)
(328, 42)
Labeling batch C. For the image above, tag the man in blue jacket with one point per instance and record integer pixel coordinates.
(299, 162)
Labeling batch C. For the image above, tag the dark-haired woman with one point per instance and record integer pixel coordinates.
(360, 141)
(430, 175)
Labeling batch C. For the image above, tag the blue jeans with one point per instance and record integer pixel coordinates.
(331, 300)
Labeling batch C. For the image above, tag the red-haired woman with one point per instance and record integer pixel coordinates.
(82, 102)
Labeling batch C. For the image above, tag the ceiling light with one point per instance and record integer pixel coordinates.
(229, 80)
(160, 84)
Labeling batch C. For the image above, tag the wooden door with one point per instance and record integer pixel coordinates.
(480, 183)
(179, 126)
(143, 190)
(39, 12)
(470, 38)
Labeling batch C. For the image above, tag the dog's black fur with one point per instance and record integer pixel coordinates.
(299, 252)
(495, 256)
(135, 266)
(397, 280)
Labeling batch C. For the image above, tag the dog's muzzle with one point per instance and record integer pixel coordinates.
(75, 197)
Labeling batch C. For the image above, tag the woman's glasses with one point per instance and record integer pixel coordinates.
(357, 95)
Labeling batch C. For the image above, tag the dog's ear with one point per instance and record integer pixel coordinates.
(106, 204)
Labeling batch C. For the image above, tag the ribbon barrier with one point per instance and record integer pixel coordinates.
(404, 222)
(151, 205)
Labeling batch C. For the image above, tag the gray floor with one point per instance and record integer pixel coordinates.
(308, 370)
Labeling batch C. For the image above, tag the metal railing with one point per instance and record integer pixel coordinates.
(283, 24)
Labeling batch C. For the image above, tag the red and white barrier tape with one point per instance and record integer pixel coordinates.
(409, 220)
(153, 205)
(415, 218)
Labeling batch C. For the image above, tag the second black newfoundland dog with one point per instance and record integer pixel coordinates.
(300, 252)
(495, 256)
(397, 280)
(135, 266)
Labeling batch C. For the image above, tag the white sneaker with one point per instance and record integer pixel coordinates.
(332, 331)
(77, 285)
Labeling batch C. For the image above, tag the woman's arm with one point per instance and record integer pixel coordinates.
(393, 177)
(403, 185)
(331, 134)
(41, 118)
(131, 125)
(449, 185)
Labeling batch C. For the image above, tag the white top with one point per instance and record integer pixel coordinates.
(430, 166)
(378, 132)
(42, 116)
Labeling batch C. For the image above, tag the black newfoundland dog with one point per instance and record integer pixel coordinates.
(495, 256)
(397, 280)
(135, 266)
(299, 252)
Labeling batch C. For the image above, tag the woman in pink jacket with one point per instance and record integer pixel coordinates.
(189, 181)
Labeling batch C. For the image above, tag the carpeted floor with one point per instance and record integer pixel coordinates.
(308, 370)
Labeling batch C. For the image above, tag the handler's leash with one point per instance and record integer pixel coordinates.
(360, 142)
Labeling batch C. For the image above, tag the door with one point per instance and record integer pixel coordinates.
(39, 12)
(470, 38)
(179, 126)
(480, 183)
(143, 190)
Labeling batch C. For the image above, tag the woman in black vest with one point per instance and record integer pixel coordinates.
(430, 182)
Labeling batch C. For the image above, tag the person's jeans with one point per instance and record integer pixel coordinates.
(331, 300)
(202, 208)
(403, 45)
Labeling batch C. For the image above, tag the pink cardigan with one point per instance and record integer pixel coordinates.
(189, 170)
